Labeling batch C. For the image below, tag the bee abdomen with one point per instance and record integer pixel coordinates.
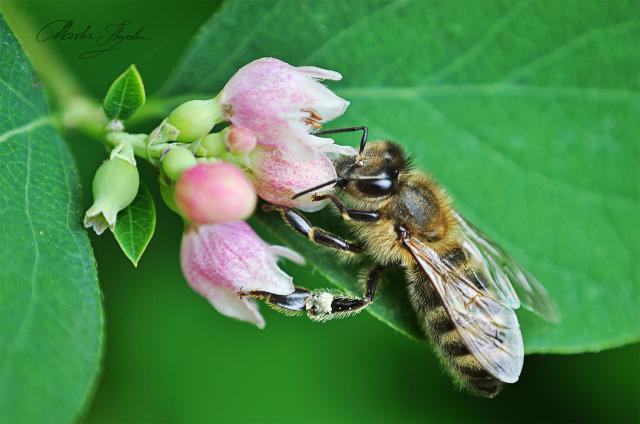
(442, 331)
(474, 376)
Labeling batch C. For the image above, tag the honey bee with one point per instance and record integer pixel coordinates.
(463, 287)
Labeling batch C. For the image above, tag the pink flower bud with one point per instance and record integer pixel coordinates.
(268, 94)
(221, 260)
(277, 179)
(239, 139)
(215, 192)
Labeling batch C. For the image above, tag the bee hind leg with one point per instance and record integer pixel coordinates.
(322, 305)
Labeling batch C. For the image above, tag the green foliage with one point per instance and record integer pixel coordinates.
(125, 95)
(525, 111)
(136, 224)
(50, 308)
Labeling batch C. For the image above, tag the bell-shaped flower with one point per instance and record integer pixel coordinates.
(277, 179)
(115, 185)
(210, 193)
(283, 105)
(222, 261)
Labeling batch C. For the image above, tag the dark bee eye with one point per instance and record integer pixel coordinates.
(375, 187)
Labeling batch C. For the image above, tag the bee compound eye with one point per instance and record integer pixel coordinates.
(375, 187)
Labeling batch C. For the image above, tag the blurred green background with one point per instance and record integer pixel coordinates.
(170, 357)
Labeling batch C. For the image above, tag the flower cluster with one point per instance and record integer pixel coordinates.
(213, 179)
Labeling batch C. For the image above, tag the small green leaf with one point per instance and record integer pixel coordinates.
(125, 95)
(51, 323)
(135, 225)
(525, 111)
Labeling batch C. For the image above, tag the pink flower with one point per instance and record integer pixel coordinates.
(209, 193)
(277, 179)
(221, 260)
(282, 105)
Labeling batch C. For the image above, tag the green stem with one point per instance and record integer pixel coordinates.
(158, 108)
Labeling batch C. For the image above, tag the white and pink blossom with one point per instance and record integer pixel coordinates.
(283, 105)
(221, 261)
(277, 180)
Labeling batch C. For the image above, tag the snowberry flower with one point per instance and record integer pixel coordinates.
(222, 260)
(115, 185)
(215, 192)
(282, 105)
(277, 179)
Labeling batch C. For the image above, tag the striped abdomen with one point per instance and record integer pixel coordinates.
(439, 327)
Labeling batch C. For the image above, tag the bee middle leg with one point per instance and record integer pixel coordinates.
(322, 305)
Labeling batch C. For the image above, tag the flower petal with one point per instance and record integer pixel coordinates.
(231, 305)
(285, 252)
(319, 73)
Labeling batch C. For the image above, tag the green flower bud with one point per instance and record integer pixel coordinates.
(168, 193)
(115, 185)
(195, 118)
(212, 145)
(177, 160)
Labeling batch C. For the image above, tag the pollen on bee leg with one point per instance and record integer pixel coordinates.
(319, 304)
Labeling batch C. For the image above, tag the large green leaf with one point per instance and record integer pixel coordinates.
(527, 112)
(50, 307)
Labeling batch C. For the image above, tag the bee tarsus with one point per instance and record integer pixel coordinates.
(322, 305)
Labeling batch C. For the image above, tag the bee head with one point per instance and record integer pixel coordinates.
(372, 173)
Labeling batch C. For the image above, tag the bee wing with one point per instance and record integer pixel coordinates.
(489, 328)
(506, 279)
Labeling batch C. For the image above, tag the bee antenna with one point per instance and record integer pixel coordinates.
(312, 189)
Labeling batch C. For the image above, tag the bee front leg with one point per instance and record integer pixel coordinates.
(317, 235)
(348, 214)
(322, 305)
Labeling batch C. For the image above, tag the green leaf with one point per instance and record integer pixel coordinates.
(525, 111)
(135, 225)
(50, 306)
(125, 95)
